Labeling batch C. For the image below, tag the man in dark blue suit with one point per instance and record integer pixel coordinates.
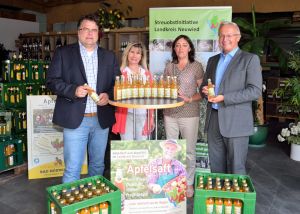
(86, 123)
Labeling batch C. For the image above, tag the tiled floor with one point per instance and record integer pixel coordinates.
(276, 179)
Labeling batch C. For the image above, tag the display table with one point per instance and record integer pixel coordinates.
(148, 103)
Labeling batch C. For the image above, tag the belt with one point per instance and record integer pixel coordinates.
(93, 114)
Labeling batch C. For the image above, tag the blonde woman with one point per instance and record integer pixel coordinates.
(134, 63)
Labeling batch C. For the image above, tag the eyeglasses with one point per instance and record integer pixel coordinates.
(86, 30)
(228, 36)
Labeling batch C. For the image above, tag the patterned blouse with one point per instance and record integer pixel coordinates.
(187, 84)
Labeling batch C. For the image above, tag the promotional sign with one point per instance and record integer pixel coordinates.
(44, 139)
(151, 175)
(199, 23)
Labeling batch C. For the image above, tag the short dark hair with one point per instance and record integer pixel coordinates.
(191, 54)
(89, 17)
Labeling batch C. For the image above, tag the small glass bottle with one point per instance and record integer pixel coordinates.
(174, 88)
(219, 205)
(154, 87)
(238, 204)
(147, 88)
(94, 209)
(211, 89)
(92, 93)
(103, 208)
(161, 90)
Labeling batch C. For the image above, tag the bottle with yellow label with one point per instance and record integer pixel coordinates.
(92, 93)
(85, 211)
(174, 88)
(167, 90)
(129, 87)
(161, 90)
(154, 87)
(227, 204)
(211, 89)
(94, 209)
(141, 87)
(209, 202)
(117, 89)
(147, 88)
(123, 88)
(135, 87)
(103, 208)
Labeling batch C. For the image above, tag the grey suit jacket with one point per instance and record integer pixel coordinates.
(240, 85)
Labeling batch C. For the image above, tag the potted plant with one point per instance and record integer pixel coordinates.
(291, 135)
(290, 93)
(255, 38)
(111, 18)
(261, 129)
(291, 104)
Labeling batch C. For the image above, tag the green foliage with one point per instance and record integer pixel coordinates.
(111, 18)
(291, 92)
(256, 39)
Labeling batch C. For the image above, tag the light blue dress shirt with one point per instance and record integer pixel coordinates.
(221, 68)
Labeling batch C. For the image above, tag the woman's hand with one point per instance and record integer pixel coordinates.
(186, 99)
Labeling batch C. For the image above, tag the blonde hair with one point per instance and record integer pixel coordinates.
(143, 61)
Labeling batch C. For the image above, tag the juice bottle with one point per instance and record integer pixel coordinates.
(211, 89)
(237, 206)
(147, 88)
(94, 209)
(168, 88)
(92, 93)
(154, 87)
(174, 88)
(103, 208)
(161, 90)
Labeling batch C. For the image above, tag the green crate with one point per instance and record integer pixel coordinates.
(35, 69)
(16, 156)
(12, 95)
(248, 198)
(19, 120)
(113, 198)
(15, 71)
(5, 123)
(23, 138)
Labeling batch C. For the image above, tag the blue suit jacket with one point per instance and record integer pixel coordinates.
(240, 85)
(66, 72)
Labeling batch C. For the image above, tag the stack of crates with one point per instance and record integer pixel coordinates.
(60, 197)
(19, 79)
(202, 194)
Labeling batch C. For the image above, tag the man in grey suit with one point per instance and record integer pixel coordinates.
(237, 77)
(85, 122)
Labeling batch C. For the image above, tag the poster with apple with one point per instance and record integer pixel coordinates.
(151, 175)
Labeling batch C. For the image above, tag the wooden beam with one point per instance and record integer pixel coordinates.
(18, 15)
(23, 4)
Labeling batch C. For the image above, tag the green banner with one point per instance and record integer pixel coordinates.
(197, 22)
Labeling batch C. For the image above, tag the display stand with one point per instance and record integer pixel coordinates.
(147, 103)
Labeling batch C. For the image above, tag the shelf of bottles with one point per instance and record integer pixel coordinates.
(89, 195)
(31, 48)
(137, 87)
(41, 46)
